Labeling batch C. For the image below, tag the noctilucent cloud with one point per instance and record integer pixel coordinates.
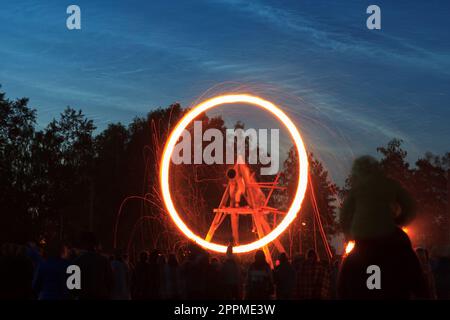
(356, 88)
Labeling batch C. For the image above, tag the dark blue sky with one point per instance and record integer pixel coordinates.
(348, 88)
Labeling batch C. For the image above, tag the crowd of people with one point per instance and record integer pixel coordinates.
(372, 214)
(30, 272)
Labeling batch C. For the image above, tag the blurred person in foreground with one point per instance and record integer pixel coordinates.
(372, 215)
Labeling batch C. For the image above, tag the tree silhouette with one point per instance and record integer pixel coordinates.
(17, 123)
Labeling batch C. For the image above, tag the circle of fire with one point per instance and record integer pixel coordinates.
(302, 170)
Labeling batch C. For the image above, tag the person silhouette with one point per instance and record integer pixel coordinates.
(372, 215)
(97, 279)
(50, 277)
(259, 283)
(231, 276)
(140, 283)
(313, 278)
(121, 276)
(284, 278)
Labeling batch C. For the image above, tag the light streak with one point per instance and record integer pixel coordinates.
(302, 170)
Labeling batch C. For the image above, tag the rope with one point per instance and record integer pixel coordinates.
(317, 217)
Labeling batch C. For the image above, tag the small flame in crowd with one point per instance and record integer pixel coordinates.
(349, 247)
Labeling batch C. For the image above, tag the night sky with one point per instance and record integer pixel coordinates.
(354, 89)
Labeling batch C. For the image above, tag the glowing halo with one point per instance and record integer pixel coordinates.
(302, 172)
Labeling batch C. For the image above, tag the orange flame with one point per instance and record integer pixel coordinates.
(349, 247)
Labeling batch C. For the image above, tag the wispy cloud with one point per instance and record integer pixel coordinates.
(323, 36)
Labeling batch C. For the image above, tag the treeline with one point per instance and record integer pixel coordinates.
(67, 177)
(64, 178)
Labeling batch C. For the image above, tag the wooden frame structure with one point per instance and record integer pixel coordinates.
(244, 184)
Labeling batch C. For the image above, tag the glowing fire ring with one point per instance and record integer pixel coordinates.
(302, 172)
